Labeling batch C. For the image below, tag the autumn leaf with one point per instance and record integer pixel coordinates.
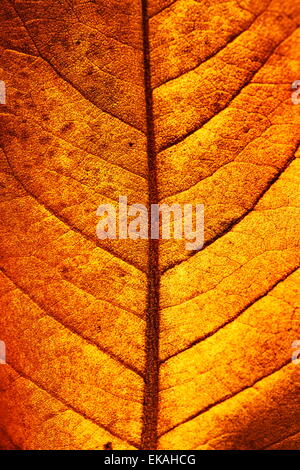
(136, 344)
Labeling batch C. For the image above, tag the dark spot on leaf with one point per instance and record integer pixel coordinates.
(45, 140)
(67, 127)
(107, 446)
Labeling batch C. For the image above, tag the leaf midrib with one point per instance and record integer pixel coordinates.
(150, 405)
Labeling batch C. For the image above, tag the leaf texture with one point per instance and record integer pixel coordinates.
(131, 344)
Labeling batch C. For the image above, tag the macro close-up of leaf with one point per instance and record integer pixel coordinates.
(124, 344)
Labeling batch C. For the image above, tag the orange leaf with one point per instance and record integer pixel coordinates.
(137, 344)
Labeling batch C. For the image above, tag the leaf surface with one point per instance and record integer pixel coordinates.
(130, 344)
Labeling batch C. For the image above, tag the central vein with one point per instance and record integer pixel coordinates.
(150, 411)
